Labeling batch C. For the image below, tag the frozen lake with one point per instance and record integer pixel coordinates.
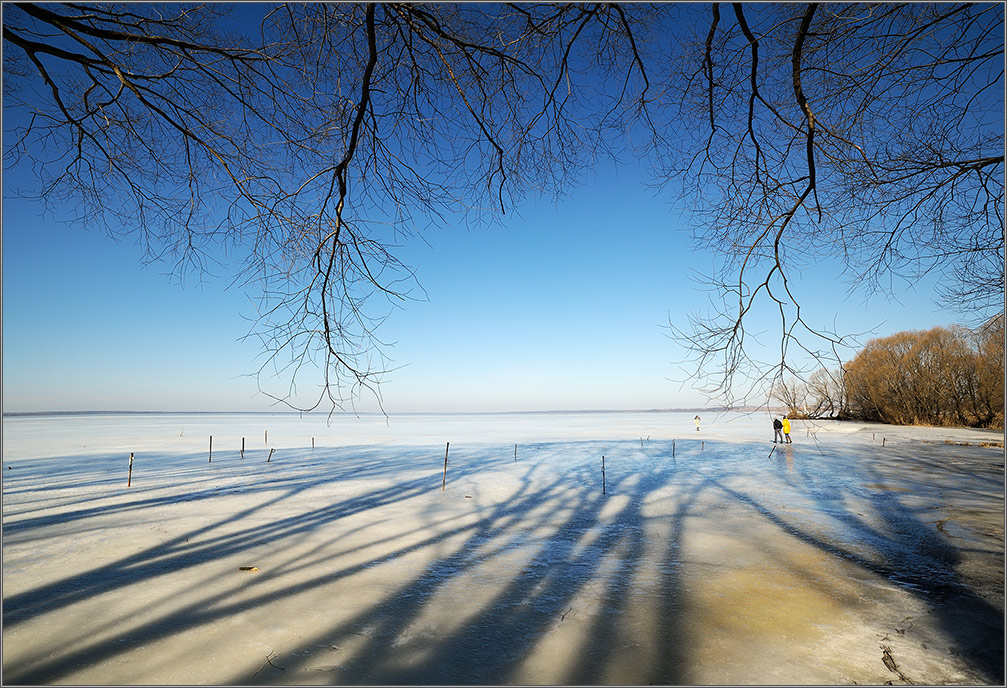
(858, 554)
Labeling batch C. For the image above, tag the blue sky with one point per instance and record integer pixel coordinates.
(562, 306)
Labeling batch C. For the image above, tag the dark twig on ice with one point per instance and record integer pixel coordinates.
(886, 657)
(940, 524)
(269, 661)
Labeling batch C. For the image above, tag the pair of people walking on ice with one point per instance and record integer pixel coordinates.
(783, 426)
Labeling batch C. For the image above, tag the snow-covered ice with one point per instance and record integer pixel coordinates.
(711, 558)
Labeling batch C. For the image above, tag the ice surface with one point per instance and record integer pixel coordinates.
(712, 557)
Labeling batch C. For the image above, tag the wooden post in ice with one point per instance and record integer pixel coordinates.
(673, 449)
(515, 452)
(603, 474)
(129, 478)
(242, 447)
(883, 440)
(312, 442)
(270, 455)
(210, 459)
(265, 438)
(444, 480)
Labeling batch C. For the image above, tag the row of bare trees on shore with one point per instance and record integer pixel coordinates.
(941, 376)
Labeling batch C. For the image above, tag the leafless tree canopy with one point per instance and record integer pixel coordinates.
(305, 142)
(301, 142)
(872, 134)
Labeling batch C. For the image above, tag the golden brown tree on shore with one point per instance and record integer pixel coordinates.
(941, 376)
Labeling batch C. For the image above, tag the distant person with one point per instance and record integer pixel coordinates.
(696, 421)
(777, 430)
(786, 430)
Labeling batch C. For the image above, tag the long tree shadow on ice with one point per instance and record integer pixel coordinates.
(556, 583)
(232, 533)
(901, 542)
(178, 553)
(585, 556)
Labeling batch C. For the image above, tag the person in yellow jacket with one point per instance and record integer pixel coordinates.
(786, 430)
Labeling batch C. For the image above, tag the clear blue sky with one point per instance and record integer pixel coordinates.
(563, 306)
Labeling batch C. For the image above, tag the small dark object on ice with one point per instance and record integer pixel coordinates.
(886, 657)
(248, 568)
(269, 661)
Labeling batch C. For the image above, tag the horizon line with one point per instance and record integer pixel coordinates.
(709, 409)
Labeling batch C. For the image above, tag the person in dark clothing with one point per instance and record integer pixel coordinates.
(777, 430)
